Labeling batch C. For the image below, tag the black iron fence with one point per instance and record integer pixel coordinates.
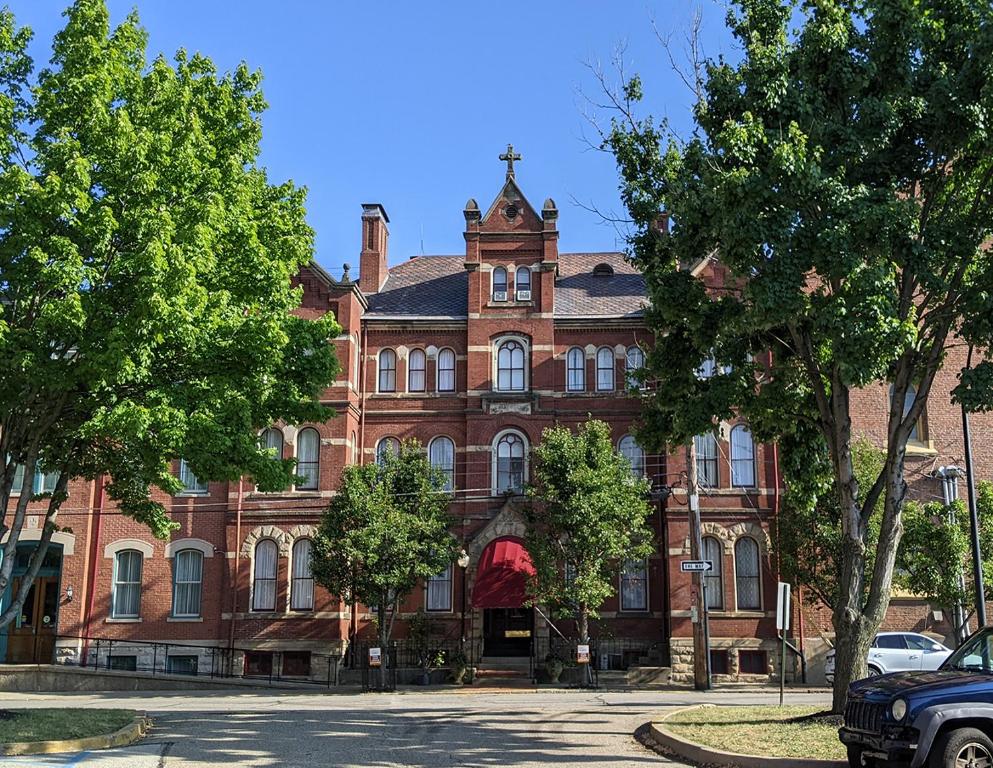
(158, 658)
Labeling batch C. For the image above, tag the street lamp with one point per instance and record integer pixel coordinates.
(463, 563)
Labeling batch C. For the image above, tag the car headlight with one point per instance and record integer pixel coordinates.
(898, 709)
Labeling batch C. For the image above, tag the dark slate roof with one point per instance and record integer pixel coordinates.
(437, 286)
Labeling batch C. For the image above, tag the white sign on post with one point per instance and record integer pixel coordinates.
(783, 607)
(696, 566)
(375, 657)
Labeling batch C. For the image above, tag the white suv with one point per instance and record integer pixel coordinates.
(897, 652)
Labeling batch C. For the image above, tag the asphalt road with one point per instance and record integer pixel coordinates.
(431, 729)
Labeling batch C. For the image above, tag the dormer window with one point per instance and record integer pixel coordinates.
(522, 284)
(500, 284)
(603, 270)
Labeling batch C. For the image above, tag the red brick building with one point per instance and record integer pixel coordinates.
(472, 354)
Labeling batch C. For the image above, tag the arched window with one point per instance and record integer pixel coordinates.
(446, 370)
(522, 284)
(126, 594)
(510, 366)
(746, 574)
(635, 455)
(510, 463)
(302, 581)
(575, 362)
(441, 454)
(387, 371)
(706, 460)
(714, 578)
(742, 458)
(387, 445)
(187, 580)
(308, 459)
(264, 576)
(605, 369)
(415, 370)
(634, 586)
(499, 284)
(634, 361)
(272, 441)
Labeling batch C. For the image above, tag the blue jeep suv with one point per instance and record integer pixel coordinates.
(939, 719)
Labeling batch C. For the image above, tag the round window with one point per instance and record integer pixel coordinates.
(511, 211)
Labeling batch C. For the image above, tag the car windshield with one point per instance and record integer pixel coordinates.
(975, 655)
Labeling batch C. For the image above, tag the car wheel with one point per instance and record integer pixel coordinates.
(962, 748)
(873, 671)
(854, 756)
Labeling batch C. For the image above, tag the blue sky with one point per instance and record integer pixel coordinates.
(409, 104)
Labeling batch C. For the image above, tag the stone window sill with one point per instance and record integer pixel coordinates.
(185, 619)
(129, 620)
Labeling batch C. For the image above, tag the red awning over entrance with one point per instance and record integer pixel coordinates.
(501, 577)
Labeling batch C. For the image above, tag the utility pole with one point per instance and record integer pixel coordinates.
(977, 561)
(701, 651)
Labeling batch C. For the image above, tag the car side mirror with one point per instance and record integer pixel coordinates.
(937, 647)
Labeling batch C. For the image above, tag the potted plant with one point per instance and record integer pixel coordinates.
(553, 667)
(460, 667)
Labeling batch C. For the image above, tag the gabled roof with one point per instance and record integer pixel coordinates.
(580, 293)
(511, 192)
(425, 286)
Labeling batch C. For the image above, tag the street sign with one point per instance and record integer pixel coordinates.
(696, 566)
(783, 607)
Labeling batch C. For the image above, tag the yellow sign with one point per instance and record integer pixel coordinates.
(517, 633)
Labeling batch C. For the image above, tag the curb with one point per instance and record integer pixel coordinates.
(123, 737)
(703, 755)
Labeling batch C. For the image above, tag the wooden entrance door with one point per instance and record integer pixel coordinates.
(31, 639)
(507, 631)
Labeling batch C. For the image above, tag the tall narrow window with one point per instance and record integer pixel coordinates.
(746, 574)
(264, 576)
(635, 455)
(446, 370)
(18, 484)
(634, 362)
(416, 364)
(126, 596)
(510, 366)
(707, 368)
(44, 482)
(575, 361)
(917, 430)
(190, 482)
(272, 441)
(706, 460)
(499, 284)
(510, 463)
(308, 459)
(187, 578)
(355, 448)
(441, 454)
(386, 446)
(742, 458)
(605, 369)
(522, 284)
(439, 596)
(302, 582)
(634, 586)
(714, 578)
(387, 371)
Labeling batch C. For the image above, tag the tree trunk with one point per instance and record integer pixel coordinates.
(384, 638)
(584, 623)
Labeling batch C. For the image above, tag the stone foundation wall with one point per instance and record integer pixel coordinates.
(682, 660)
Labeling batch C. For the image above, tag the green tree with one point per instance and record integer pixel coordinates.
(145, 267)
(587, 515)
(386, 530)
(840, 170)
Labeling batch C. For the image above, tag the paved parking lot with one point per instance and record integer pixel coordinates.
(421, 729)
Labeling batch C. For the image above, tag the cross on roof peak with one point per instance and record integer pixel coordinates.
(509, 156)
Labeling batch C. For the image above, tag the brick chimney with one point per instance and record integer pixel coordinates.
(375, 238)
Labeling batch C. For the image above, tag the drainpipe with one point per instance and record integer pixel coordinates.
(94, 562)
(237, 573)
(362, 395)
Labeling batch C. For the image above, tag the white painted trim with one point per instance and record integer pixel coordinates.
(67, 540)
(120, 545)
(204, 547)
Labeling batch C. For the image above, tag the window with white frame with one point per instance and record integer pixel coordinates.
(441, 455)
(510, 462)
(511, 361)
(386, 446)
(707, 369)
(746, 574)
(191, 484)
(917, 431)
(635, 455)
(714, 578)
(416, 365)
(446, 370)
(387, 370)
(272, 441)
(742, 458)
(44, 482)
(302, 579)
(126, 594)
(634, 586)
(187, 580)
(308, 459)
(264, 576)
(575, 363)
(500, 284)
(522, 284)
(634, 361)
(706, 460)
(439, 592)
(605, 369)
